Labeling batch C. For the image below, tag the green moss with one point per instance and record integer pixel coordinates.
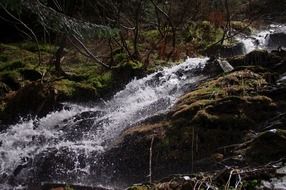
(13, 53)
(10, 74)
(32, 47)
(125, 72)
(68, 90)
(120, 57)
(151, 35)
(67, 187)
(253, 184)
(202, 34)
(103, 81)
(241, 27)
(65, 87)
(134, 64)
(141, 187)
(8, 66)
(208, 103)
(3, 58)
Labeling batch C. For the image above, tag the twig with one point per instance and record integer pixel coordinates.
(193, 144)
(27, 27)
(150, 159)
(228, 181)
(89, 53)
(233, 35)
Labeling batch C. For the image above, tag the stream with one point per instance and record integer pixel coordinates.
(64, 145)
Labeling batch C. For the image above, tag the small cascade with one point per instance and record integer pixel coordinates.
(262, 39)
(65, 144)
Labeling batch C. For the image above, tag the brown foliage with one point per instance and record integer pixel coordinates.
(216, 18)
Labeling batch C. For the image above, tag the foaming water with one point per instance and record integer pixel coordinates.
(260, 39)
(63, 145)
(255, 41)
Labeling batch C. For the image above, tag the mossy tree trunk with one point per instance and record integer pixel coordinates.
(58, 57)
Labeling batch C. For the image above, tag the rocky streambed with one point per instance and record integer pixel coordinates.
(191, 126)
(228, 133)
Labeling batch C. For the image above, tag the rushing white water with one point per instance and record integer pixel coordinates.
(77, 132)
(255, 41)
(260, 38)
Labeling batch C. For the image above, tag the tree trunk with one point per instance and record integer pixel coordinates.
(58, 57)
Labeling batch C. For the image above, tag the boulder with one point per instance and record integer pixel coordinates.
(266, 147)
(256, 58)
(226, 50)
(218, 113)
(82, 124)
(54, 186)
(35, 99)
(216, 66)
(276, 40)
(212, 67)
(126, 71)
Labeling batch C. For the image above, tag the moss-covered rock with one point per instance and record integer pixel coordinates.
(257, 58)
(220, 112)
(228, 50)
(35, 98)
(10, 66)
(239, 83)
(68, 90)
(242, 27)
(126, 71)
(142, 187)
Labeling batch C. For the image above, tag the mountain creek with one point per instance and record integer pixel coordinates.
(206, 123)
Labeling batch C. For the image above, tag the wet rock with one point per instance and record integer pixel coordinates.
(53, 164)
(155, 107)
(80, 125)
(155, 81)
(277, 122)
(276, 40)
(58, 186)
(174, 141)
(266, 147)
(127, 71)
(256, 57)
(226, 50)
(212, 67)
(220, 112)
(216, 66)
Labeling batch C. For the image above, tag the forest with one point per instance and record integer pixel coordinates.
(142, 94)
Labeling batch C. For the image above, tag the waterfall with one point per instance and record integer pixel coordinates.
(71, 138)
(260, 39)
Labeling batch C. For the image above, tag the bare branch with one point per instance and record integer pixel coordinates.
(89, 53)
(25, 26)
